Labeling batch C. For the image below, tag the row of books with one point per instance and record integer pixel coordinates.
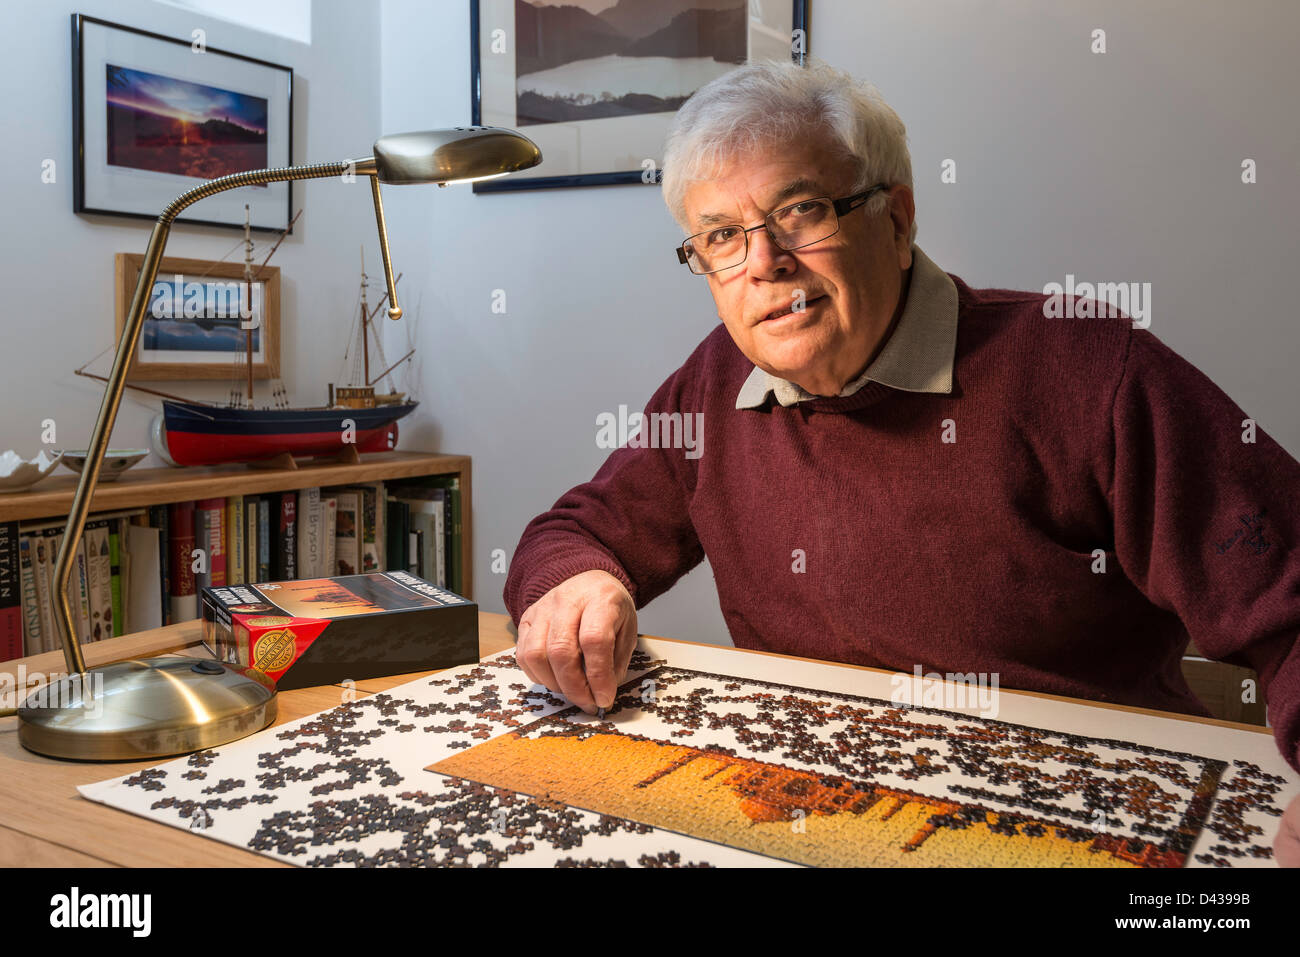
(143, 568)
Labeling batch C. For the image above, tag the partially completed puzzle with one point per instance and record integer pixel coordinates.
(698, 766)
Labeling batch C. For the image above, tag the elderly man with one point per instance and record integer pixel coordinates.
(899, 469)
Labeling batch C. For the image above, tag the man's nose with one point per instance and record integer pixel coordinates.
(767, 260)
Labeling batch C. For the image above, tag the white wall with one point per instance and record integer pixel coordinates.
(57, 267)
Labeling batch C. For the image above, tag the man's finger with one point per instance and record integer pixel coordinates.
(1286, 846)
(598, 636)
(534, 659)
(521, 638)
(564, 656)
(626, 646)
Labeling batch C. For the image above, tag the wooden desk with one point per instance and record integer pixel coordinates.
(45, 822)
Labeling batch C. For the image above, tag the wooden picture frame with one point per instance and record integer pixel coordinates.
(198, 317)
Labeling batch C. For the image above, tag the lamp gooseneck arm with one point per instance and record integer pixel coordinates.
(126, 346)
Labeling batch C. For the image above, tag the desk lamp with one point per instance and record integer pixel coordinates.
(156, 707)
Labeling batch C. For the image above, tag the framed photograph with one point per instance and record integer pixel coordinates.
(595, 83)
(154, 116)
(201, 318)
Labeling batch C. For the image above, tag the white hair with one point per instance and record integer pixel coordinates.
(763, 104)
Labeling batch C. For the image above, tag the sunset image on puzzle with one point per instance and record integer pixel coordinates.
(874, 784)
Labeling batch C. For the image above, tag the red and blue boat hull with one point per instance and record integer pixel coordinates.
(209, 435)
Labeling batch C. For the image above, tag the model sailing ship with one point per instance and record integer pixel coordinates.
(190, 432)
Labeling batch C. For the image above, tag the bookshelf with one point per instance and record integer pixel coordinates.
(52, 499)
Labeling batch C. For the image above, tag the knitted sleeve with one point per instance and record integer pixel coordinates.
(1207, 522)
(631, 520)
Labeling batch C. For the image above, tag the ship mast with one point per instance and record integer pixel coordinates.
(248, 294)
(365, 320)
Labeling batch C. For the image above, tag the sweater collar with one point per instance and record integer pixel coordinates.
(917, 358)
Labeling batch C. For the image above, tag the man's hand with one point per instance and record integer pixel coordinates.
(578, 638)
(1286, 846)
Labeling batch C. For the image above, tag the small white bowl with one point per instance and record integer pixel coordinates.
(116, 461)
(18, 474)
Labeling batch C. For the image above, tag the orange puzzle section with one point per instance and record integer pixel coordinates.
(772, 810)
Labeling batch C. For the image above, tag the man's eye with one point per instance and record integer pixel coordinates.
(719, 236)
(808, 210)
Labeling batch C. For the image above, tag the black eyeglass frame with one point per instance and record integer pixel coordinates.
(841, 207)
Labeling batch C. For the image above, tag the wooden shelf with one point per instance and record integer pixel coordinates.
(52, 499)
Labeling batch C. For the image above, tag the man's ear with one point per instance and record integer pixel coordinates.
(902, 213)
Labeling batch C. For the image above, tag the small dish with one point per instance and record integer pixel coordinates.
(116, 461)
(18, 474)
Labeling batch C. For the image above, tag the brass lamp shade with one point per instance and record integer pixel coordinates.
(455, 155)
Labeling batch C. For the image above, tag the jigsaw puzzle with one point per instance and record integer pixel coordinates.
(843, 780)
(698, 766)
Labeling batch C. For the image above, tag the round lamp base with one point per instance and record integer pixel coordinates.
(141, 709)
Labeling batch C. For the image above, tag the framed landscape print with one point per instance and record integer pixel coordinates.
(199, 318)
(595, 83)
(153, 117)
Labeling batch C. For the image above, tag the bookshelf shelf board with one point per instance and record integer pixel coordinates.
(53, 498)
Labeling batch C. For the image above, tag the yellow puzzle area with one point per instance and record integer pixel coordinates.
(771, 810)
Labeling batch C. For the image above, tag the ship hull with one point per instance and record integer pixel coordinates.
(207, 435)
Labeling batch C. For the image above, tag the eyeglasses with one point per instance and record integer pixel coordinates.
(790, 227)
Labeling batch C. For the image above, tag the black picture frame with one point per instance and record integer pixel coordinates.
(83, 203)
(799, 54)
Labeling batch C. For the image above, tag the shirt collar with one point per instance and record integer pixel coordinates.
(917, 358)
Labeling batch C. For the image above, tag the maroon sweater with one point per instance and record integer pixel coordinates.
(974, 555)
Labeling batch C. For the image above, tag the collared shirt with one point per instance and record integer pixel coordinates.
(917, 358)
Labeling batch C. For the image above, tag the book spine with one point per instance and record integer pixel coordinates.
(440, 539)
(310, 552)
(263, 538)
(214, 511)
(160, 518)
(236, 547)
(286, 542)
(251, 542)
(381, 524)
(180, 551)
(31, 601)
(394, 548)
(457, 564)
(11, 593)
(329, 518)
(347, 545)
(370, 553)
(50, 542)
(203, 576)
(115, 573)
(100, 575)
(83, 592)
